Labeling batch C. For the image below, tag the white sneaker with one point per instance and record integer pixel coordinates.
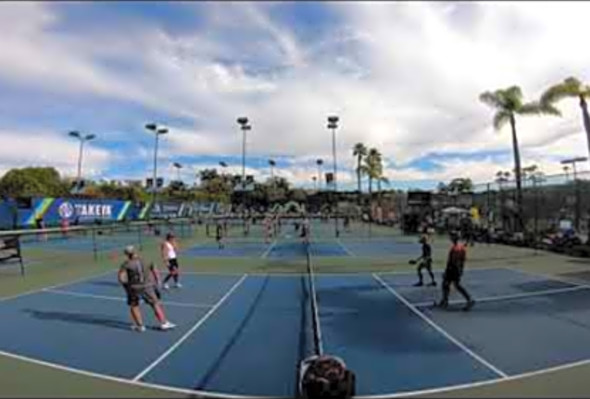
(137, 328)
(166, 286)
(167, 326)
(178, 285)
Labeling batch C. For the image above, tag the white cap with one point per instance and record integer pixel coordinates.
(129, 250)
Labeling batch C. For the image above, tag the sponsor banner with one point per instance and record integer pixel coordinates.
(166, 210)
(53, 210)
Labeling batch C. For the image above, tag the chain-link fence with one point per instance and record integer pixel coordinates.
(548, 202)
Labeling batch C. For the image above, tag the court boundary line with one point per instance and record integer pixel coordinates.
(477, 384)
(143, 384)
(125, 381)
(548, 277)
(345, 248)
(197, 393)
(320, 274)
(186, 335)
(441, 330)
(511, 296)
(122, 299)
(38, 290)
(269, 249)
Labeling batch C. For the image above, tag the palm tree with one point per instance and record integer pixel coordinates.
(359, 151)
(570, 88)
(508, 103)
(373, 168)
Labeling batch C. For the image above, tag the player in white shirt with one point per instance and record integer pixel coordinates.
(169, 251)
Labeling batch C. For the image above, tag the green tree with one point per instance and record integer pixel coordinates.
(359, 151)
(373, 167)
(460, 185)
(508, 103)
(570, 88)
(33, 181)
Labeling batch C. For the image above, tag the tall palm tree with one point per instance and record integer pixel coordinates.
(372, 167)
(570, 88)
(359, 151)
(508, 103)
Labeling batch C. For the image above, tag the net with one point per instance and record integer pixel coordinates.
(79, 245)
(315, 322)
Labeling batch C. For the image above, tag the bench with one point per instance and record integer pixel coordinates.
(10, 249)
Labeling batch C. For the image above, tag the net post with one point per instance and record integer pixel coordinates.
(94, 246)
(139, 235)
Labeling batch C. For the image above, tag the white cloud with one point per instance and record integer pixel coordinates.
(404, 77)
(41, 148)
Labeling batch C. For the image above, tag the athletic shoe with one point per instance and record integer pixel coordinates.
(442, 304)
(177, 285)
(419, 284)
(469, 305)
(137, 328)
(167, 326)
(166, 286)
(433, 284)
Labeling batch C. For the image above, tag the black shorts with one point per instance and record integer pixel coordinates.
(452, 275)
(134, 295)
(173, 264)
(425, 264)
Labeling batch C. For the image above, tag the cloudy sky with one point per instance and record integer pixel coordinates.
(403, 77)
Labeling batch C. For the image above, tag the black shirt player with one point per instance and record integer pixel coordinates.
(219, 235)
(424, 262)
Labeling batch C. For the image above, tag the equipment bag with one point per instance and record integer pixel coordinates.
(326, 377)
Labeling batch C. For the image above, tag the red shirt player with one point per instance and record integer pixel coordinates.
(454, 272)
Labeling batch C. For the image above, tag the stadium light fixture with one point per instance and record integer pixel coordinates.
(333, 125)
(159, 131)
(83, 139)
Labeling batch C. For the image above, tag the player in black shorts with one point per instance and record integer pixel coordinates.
(424, 262)
(454, 272)
(219, 236)
(139, 283)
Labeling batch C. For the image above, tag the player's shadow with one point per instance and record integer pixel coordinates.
(78, 318)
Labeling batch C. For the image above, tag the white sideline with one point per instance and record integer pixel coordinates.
(38, 290)
(189, 332)
(120, 299)
(270, 247)
(512, 296)
(345, 248)
(440, 329)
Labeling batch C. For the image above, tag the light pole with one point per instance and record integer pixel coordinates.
(319, 163)
(272, 164)
(82, 140)
(177, 166)
(573, 162)
(566, 170)
(158, 131)
(333, 125)
(314, 179)
(243, 122)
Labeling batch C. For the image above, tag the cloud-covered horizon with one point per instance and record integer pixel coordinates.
(403, 77)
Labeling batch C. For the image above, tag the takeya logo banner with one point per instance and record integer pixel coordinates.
(68, 210)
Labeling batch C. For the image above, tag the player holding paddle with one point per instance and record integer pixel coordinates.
(139, 282)
(424, 262)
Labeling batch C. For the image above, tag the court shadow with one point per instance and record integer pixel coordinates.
(106, 283)
(78, 318)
